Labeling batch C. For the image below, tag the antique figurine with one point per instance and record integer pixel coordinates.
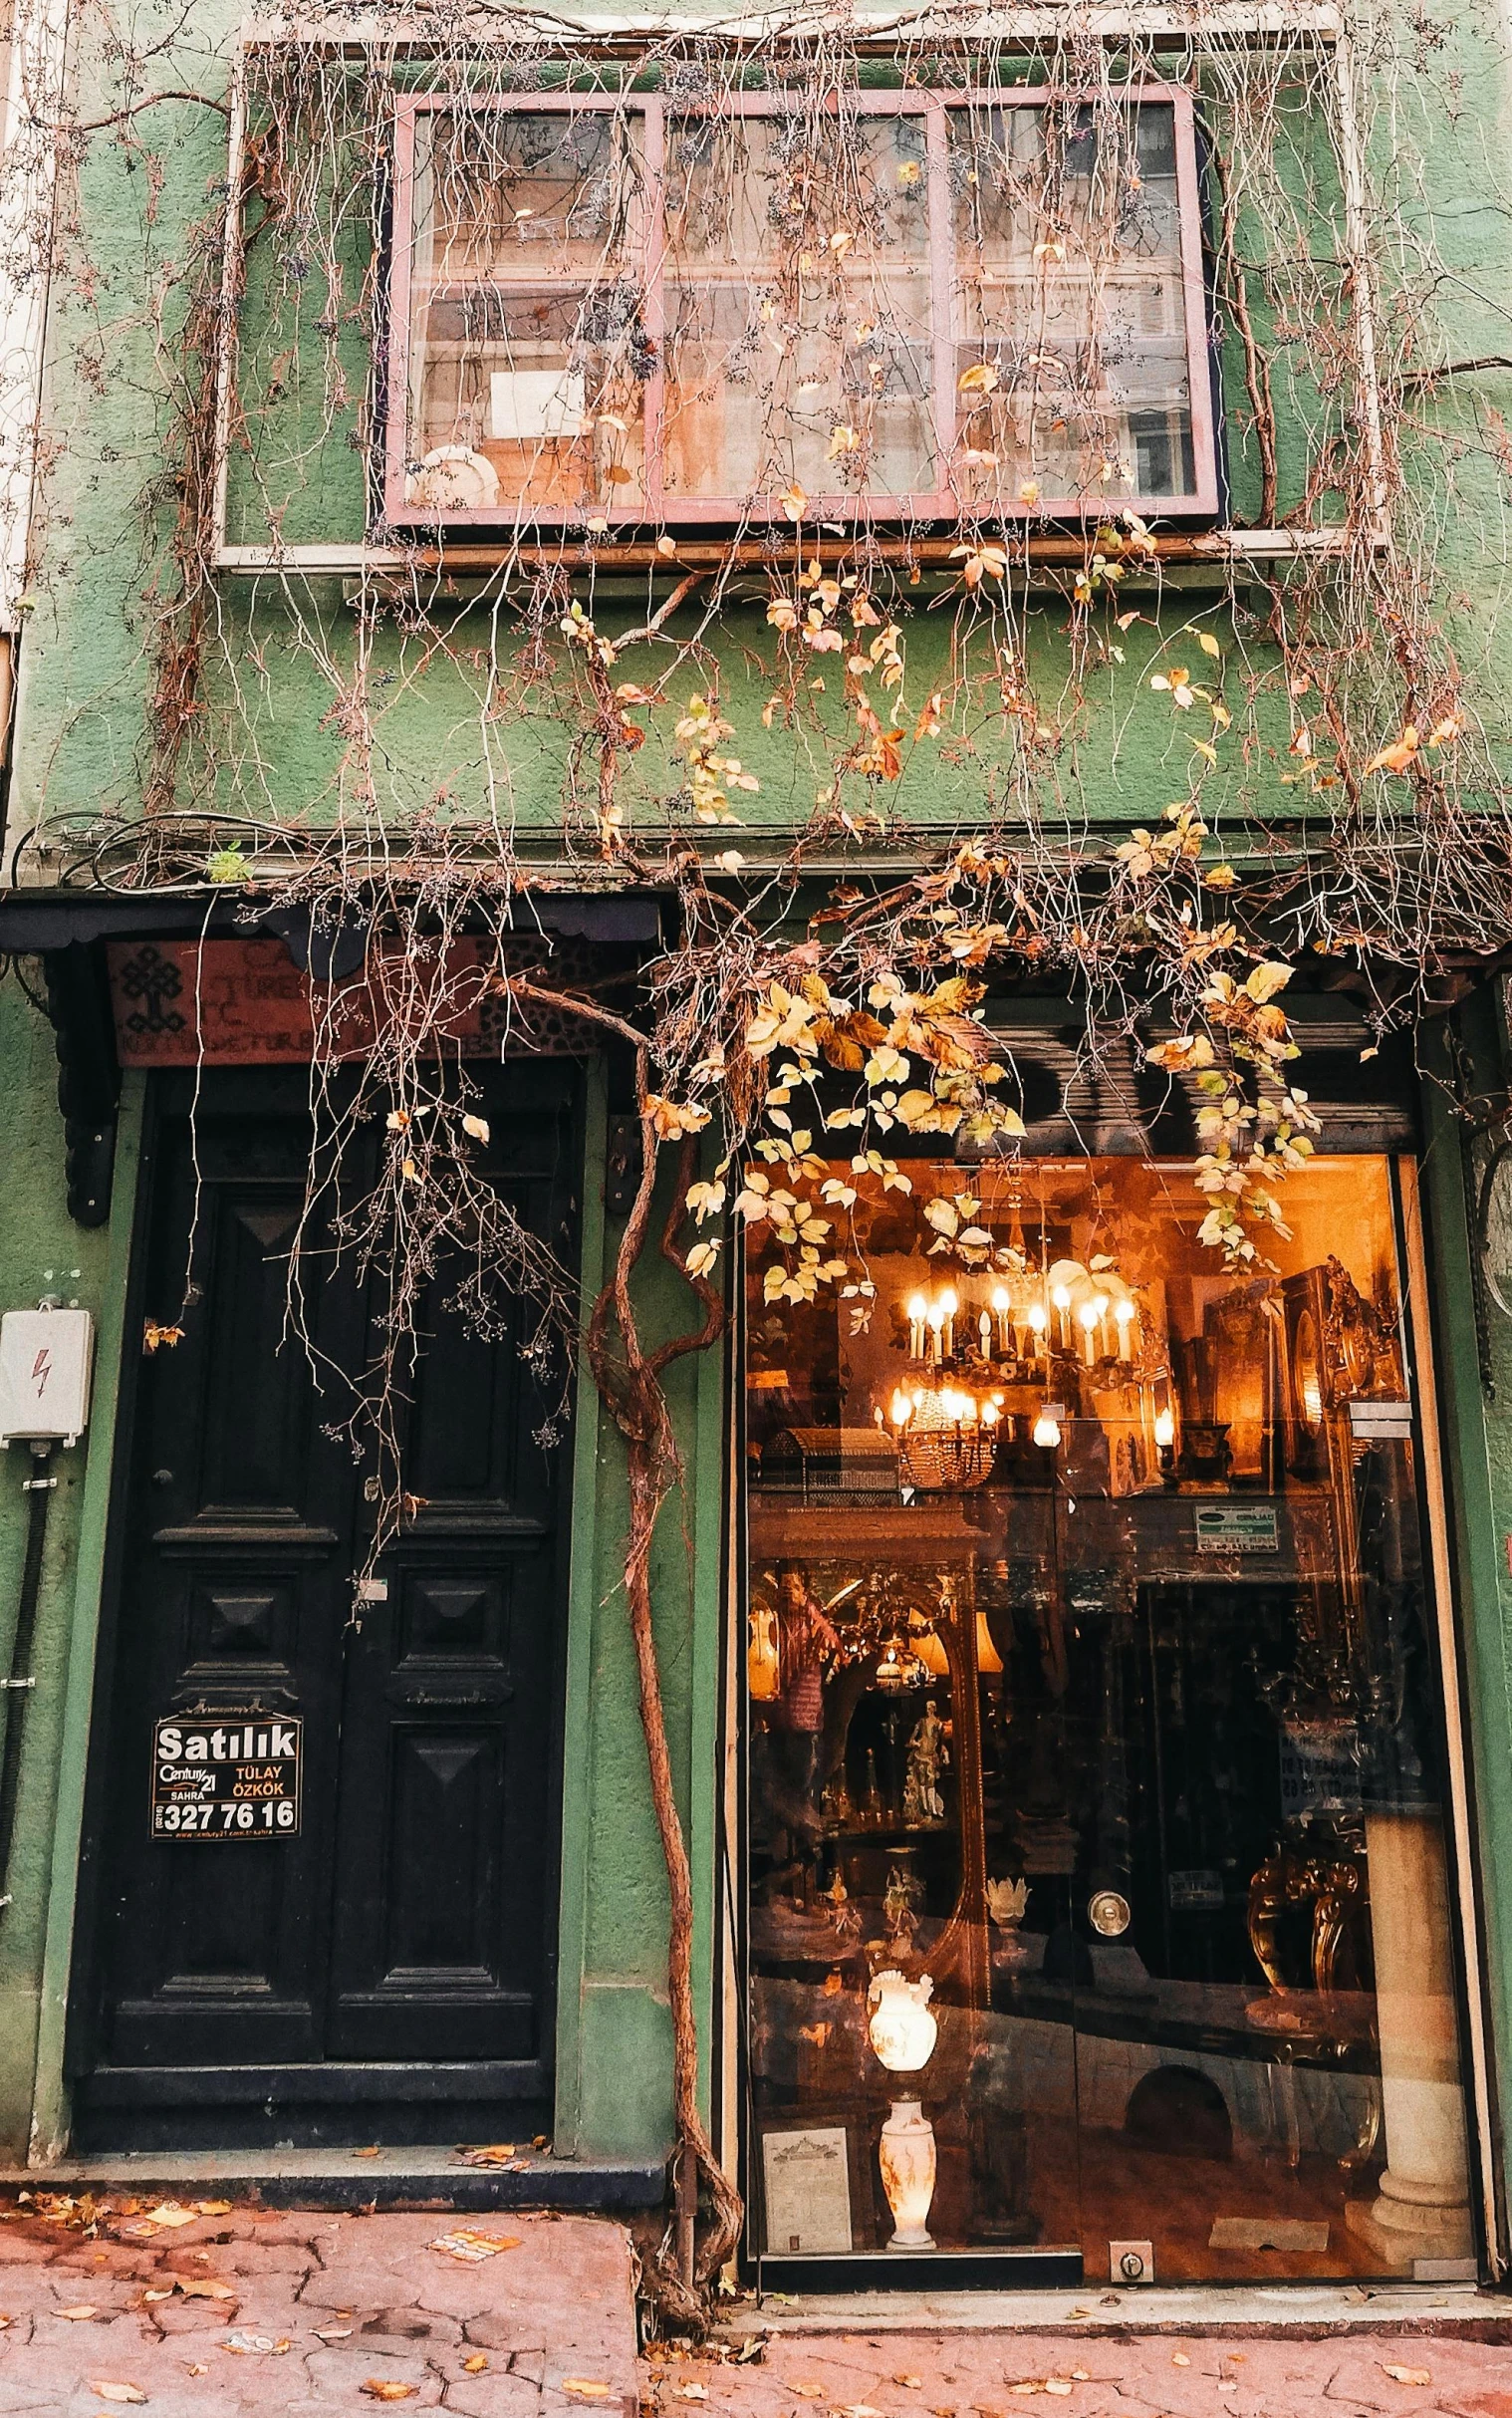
(929, 1753)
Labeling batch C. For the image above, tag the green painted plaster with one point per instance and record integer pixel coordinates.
(40, 1250)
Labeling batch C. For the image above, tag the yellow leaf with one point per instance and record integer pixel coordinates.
(1406, 2375)
(1395, 758)
(1209, 643)
(666, 545)
(1267, 979)
(586, 2388)
(383, 2389)
(794, 502)
(617, 474)
(981, 379)
(477, 1126)
(476, 2364)
(111, 2391)
(83, 2310)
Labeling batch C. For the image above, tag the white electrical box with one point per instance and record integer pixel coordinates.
(45, 1361)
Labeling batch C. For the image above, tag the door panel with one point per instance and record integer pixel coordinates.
(410, 1921)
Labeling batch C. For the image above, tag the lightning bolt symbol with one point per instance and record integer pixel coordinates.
(42, 1369)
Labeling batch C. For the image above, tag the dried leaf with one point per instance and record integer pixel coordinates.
(206, 2288)
(333, 2334)
(691, 2393)
(806, 2392)
(108, 2390)
(1179, 2359)
(384, 2389)
(492, 2153)
(794, 502)
(1406, 2375)
(84, 2308)
(617, 473)
(213, 2208)
(476, 2364)
(373, 2153)
(1209, 643)
(472, 2247)
(477, 1126)
(586, 2388)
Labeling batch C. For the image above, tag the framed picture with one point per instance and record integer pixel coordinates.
(806, 2189)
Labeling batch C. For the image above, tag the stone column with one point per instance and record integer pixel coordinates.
(1422, 2208)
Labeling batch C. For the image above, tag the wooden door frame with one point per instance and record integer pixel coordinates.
(72, 1942)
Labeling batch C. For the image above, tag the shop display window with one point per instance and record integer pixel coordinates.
(1098, 1878)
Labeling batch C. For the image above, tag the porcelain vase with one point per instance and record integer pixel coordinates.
(906, 2153)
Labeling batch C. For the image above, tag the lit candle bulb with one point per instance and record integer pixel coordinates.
(1165, 1429)
(991, 1413)
(1090, 1315)
(1002, 1303)
(937, 1326)
(900, 1408)
(984, 1330)
(1102, 1306)
(1123, 1318)
(918, 1312)
(1039, 1320)
(949, 1305)
(1062, 1300)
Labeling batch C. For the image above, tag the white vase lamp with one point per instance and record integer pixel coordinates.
(902, 2030)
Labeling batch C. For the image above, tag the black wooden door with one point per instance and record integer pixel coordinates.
(387, 1971)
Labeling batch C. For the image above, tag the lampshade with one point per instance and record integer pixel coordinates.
(988, 1659)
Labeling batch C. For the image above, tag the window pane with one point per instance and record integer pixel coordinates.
(1070, 305)
(528, 355)
(796, 310)
(1091, 1677)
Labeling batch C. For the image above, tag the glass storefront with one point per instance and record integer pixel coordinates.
(1098, 1899)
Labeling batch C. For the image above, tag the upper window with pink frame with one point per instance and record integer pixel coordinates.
(623, 310)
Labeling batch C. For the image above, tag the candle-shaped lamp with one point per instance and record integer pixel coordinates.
(1089, 1314)
(918, 1312)
(1002, 1303)
(1123, 1318)
(949, 1305)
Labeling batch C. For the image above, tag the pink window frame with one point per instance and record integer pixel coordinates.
(937, 504)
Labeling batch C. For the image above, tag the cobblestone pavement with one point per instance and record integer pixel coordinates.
(245, 2309)
(995, 2375)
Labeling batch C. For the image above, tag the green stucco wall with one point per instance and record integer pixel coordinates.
(82, 747)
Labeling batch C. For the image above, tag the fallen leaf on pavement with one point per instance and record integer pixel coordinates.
(169, 2213)
(196, 2367)
(1179, 2359)
(166, 2295)
(472, 2247)
(213, 2208)
(206, 2288)
(914, 2381)
(492, 2153)
(691, 2393)
(383, 2389)
(1406, 2375)
(333, 2334)
(84, 2308)
(806, 2392)
(1058, 2384)
(476, 2364)
(241, 2341)
(365, 2153)
(109, 2391)
(588, 2388)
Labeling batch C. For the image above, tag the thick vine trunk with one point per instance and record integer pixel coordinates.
(628, 1381)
